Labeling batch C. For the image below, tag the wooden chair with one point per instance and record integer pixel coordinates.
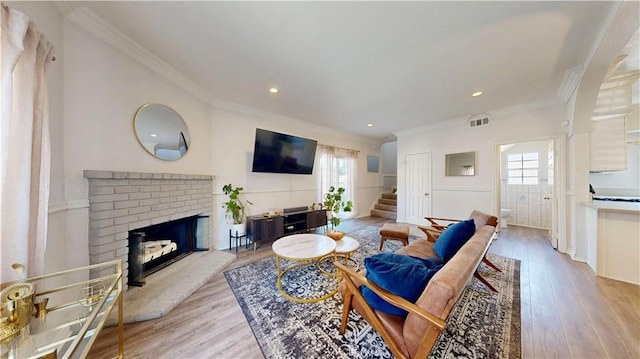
(353, 281)
(436, 228)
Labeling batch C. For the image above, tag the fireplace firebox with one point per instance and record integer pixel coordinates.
(158, 246)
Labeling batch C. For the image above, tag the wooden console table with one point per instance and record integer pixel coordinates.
(260, 228)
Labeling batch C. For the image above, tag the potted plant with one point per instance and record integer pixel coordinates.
(235, 209)
(334, 203)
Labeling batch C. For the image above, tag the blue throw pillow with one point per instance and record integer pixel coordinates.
(401, 275)
(453, 238)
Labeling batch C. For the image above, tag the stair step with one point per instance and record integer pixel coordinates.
(390, 195)
(383, 214)
(387, 207)
(388, 201)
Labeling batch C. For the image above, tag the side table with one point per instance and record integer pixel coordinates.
(75, 306)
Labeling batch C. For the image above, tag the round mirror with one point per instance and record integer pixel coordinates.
(161, 131)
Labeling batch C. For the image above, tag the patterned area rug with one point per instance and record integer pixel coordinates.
(483, 324)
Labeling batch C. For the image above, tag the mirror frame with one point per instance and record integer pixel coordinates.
(181, 146)
(452, 169)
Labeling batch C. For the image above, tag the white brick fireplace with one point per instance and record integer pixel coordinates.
(123, 201)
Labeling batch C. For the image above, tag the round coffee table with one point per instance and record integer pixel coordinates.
(305, 248)
(344, 248)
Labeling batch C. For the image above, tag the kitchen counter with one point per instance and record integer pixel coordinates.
(613, 239)
(614, 206)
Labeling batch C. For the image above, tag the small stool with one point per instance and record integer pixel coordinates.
(394, 231)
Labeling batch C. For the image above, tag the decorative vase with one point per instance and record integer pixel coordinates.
(336, 235)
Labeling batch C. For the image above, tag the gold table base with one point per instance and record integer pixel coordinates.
(305, 262)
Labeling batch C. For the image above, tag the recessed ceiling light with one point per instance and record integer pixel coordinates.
(153, 135)
(476, 94)
(274, 90)
(369, 124)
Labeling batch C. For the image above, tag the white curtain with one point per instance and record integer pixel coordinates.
(337, 167)
(325, 167)
(25, 146)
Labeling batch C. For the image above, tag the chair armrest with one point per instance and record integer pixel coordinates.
(431, 233)
(442, 219)
(359, 280)
(440, 227)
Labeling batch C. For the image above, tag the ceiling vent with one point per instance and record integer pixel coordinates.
(479, 120)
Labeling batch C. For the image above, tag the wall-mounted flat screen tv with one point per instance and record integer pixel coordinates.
(281, 153)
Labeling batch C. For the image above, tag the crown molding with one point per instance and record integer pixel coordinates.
(256, 112)
(570, 83)
(99, 27)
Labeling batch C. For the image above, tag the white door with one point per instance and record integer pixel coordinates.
(549, 199)
(417, 187)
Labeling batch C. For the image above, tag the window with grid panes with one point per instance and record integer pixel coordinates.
(522, 168)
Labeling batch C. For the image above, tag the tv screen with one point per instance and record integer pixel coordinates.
(281, 153)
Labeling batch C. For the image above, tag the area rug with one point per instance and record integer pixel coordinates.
(483, 324)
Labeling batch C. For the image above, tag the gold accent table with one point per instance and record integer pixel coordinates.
(79, 302)
(306, 248)
(345, 247)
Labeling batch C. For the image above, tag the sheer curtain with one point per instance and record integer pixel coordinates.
(325, 167)
(24, 142)
(337, 167)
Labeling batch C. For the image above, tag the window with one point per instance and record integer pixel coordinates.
(522, 168)
(337, 167)
(341, 173)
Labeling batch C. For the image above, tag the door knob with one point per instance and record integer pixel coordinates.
(426, 194)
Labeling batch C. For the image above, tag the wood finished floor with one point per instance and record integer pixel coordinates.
(567, 312)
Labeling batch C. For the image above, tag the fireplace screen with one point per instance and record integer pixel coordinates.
(155, 247)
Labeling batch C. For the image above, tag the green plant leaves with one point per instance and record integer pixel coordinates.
(334, 203)
(234, 206)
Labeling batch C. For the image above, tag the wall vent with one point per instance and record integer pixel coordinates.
(478, 120)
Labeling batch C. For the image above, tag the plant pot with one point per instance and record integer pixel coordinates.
(239, 229)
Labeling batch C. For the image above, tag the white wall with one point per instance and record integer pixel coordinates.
(222, 137)
(103, 89)
(232, 136)
(389, 165)
(456, 197)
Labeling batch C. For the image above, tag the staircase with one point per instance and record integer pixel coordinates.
(387, 206)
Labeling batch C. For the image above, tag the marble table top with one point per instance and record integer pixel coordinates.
(347, 245)
(304, 246)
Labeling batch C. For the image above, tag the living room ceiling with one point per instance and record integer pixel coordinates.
(396, 65)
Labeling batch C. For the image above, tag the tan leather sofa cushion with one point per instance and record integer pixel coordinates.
(446, 286)
(420, 248)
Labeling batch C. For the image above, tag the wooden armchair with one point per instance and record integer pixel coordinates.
(436, 228)
(351, 294)
(415, 335)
